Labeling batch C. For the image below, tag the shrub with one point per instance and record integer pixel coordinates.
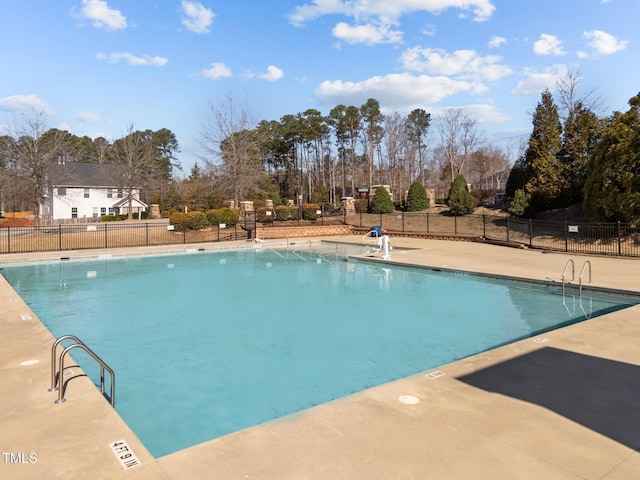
(284, 213)
(361, 205)
(417, 198)
(309, 211)
(519, 206)
(113, 218)
(265, 215)
(381, 202)
(460, 201)
(189, 221)
(228, 216)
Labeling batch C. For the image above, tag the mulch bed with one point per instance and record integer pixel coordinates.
(16, 222)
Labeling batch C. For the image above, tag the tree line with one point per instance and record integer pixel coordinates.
(308, 155)
(574, 156)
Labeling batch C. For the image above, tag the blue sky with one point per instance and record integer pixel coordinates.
(97, 66)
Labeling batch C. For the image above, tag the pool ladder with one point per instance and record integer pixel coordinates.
(571, 263)
(57, 375)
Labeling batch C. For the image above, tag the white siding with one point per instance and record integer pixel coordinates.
(74, 198)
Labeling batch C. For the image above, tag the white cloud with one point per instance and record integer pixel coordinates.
(548, 45)
(101, 15)
(484, 113)
(535, 82)
(386, 10)
(463, 63)
(367, 34)
(86, 116)
(198, 18)
(133, 60)
(217, 70)
(496, 41)
(604, 43)
(429, 30)
(402, 91)
(272, 74)
(25, 103)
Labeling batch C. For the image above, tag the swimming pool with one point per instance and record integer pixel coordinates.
(206, 344)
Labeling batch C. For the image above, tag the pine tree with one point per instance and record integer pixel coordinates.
(543, 169)
(612, 189)
(519, 206)
(460, 201)
(580, 136)
(381, 202)
(417, 198)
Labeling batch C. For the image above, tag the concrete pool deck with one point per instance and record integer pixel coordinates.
(563, 405)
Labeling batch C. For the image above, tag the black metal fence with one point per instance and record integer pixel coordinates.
(107, 235)
(618, 239)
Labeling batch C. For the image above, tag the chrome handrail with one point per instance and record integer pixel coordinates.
(573, 272)
(54, 371)
(587, 262)
(103, 367)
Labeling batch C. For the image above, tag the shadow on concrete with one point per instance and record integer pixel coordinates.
(601, 394)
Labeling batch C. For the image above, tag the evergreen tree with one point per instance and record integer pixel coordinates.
(517, 178)
(460, 201)
(519, 206)
(580, 136)
(612, 189)
(543, 169)
(320, 195)
(417, 198)
(381, 202)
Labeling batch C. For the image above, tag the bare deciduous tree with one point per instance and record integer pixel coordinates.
(134, 155)
(32, 158)
(231, 144)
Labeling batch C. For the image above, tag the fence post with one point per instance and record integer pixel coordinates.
(484, 226)
(380, 220)
(455, 224)
(427, 222)
(105, 235)
(566, 236)
(507, 224)
(146, 226)
(530, 233)
(59, 237)
(9, 239)
(402, 222)
(619, 239)
(361, 217)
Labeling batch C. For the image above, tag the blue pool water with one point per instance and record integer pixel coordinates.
(206, 344)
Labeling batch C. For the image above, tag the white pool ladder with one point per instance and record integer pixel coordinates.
(571, 263)
(57, 374)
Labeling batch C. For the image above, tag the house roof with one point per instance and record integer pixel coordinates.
(85, 175)
(135, 203)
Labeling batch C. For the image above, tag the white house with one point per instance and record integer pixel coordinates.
(87, 191)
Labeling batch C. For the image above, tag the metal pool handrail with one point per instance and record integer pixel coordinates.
(573, 274)
(78, 344)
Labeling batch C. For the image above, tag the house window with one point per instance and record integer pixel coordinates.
(95, 212)
(74, 212)
(119, 193)
(103, 211)
(111, 211)
(62, 191)
(86, 193)
(109, 193)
